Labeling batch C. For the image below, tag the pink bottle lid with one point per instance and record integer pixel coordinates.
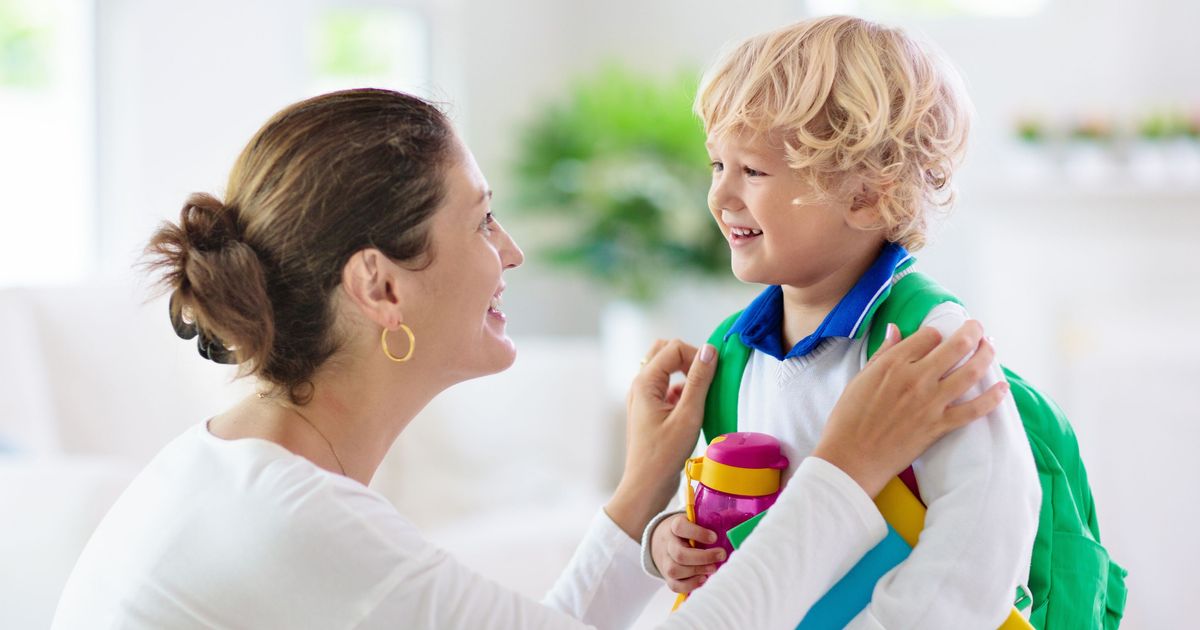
(746, 449)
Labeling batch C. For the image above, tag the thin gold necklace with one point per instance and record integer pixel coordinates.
(303, 417)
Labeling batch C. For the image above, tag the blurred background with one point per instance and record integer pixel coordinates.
(1073, 239)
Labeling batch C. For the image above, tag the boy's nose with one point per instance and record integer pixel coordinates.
(718, 200)
(721, 205)
(723, 195)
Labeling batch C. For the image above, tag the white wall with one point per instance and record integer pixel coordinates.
(182, 87)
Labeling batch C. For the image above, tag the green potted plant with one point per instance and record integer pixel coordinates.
(1148, 150)
(1031, 160)
(1090, 158)
(1192, 126)
(1031, 130)
(1183, 148)
(617, 176)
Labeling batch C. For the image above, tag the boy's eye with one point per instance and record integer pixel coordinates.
(717, 167)
(486, 223)
(752, 172)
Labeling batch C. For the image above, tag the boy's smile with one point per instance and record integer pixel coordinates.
(741, 236)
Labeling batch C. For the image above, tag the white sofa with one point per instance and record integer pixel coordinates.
(95, 382)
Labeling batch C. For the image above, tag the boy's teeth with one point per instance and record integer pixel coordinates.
(496, 304)
(745, 231)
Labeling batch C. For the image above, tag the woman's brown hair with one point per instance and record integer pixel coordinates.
(253, 275)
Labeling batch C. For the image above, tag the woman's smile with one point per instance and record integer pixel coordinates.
(496, 304)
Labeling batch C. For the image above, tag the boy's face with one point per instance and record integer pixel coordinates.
(773, 239)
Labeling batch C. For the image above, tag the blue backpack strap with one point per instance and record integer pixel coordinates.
(720, 408)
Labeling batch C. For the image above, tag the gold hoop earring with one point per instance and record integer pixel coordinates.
(412, 344)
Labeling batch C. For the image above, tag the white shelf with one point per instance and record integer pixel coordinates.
(1117, 190)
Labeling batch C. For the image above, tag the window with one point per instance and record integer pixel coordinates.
(46, 152)
(370, 47)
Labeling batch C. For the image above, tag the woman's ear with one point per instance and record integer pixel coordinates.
(372, 282)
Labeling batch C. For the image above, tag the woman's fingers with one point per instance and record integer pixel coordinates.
(969, 374)
(654, 349)
(673, 394)
(954, 349)
(917, 345)
(698, 364)
(699, 377)
(667, 358)
(673, 356)
(960, 415)
(890, 338)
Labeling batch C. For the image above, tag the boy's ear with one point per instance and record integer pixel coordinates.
(374, 285)
(863, 211)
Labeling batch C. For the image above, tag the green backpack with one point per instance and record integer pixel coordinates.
(1073, 581)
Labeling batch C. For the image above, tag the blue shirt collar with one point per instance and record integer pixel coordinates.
(761, 325)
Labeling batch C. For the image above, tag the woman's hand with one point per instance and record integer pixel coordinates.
(662, 426)
(903, 401)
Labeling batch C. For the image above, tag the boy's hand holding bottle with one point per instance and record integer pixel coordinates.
(684, 567)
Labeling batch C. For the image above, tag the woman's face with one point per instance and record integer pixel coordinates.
(461, 320)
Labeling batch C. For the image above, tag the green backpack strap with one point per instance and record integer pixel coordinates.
(721, 406)
(906, 305)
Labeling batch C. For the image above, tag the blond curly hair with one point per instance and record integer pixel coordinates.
(850, 98)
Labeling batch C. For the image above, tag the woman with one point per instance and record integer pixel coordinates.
(355, 270)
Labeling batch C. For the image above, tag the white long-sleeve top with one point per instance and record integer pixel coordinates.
(980, 485)
(245, 534)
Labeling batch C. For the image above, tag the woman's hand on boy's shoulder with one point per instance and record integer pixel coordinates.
(904, 400)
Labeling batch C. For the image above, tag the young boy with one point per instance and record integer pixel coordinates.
(830, 141)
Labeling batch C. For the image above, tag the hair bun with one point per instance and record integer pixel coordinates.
(217, 282)
(208, 224)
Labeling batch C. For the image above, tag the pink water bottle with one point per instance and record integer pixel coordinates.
(738, 477)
